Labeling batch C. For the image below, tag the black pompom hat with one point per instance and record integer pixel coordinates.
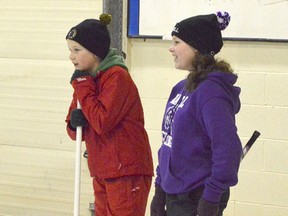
(203, 32)
(93, 34)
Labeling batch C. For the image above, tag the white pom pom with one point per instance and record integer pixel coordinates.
(223, 19)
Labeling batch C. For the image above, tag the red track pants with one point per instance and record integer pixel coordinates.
(124, 196)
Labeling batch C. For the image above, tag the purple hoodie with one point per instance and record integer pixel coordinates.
(200, 145)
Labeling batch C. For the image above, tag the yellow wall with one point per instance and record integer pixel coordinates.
(262, 68)
(37, 157)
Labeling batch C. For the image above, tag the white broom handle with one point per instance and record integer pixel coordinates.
(77, 168)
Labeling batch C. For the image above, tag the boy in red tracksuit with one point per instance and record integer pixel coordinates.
(119, 154)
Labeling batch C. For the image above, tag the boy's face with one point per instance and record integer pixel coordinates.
(81, 58)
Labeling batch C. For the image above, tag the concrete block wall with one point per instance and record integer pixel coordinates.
(262, 68)
(37, 157)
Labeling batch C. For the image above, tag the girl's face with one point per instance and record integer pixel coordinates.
(183, 54)
(81, 58)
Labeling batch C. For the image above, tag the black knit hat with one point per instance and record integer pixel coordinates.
(203, 32)
(93, 35)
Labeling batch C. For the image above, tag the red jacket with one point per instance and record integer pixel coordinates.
(116, 141)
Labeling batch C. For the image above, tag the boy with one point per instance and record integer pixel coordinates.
(119, 154)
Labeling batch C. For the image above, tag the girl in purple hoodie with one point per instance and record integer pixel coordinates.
(200, 153)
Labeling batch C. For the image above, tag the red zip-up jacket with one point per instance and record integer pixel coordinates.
(116, 141)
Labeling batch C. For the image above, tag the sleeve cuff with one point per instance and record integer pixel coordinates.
(212, 196)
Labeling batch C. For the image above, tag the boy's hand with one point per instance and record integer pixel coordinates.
(78, 74)
(77, 118)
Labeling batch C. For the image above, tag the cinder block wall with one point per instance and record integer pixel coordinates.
(36, 156)
(263, 77)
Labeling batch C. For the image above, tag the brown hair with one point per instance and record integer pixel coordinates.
(202, 65)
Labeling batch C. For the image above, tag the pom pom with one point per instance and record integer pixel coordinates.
(105, 19)
(223, 19)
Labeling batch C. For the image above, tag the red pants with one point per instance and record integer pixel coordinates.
(124, 196)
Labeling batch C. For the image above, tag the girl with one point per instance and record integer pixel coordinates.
(200, 153)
